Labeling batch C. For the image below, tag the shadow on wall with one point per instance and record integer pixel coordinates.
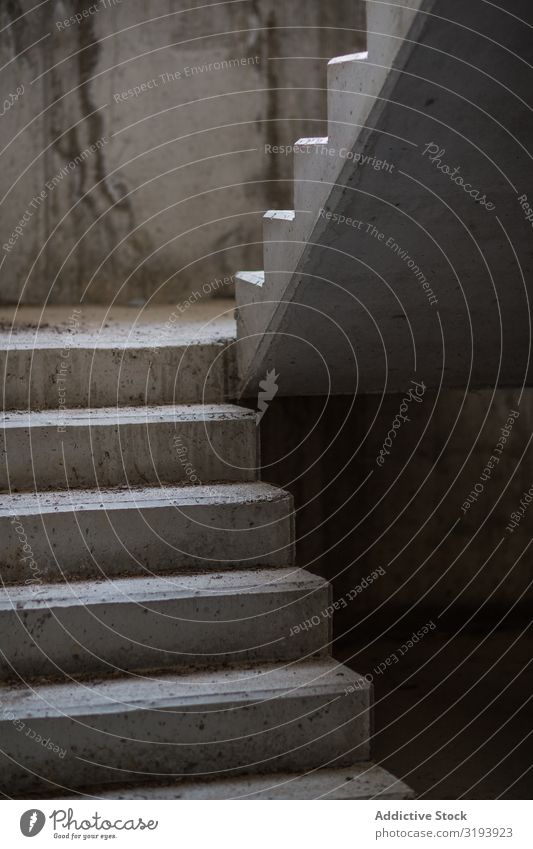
(139, 168)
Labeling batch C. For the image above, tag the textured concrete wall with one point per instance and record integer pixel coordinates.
(407, 515)
(173, 194)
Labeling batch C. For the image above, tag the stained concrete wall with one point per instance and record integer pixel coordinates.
(169, 105)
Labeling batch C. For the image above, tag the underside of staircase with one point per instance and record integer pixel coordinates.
(317, 344)
(390, 267)
(155, 632)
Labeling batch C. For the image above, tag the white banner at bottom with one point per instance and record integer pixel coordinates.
(262, 825)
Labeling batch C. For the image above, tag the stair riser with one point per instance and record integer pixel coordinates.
(93, 542)
(387, 25)
(316, 166)
(297, 732)
(252, 318)
(283, 246)
(352, 89)
(102, 455)
(44, 378)
(251, 294)
(101, 638)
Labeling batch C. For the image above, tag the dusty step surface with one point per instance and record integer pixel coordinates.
(88, 533)
(120, 446)
(211, 722)
(58, 358)
(133, 623)
(359, 781)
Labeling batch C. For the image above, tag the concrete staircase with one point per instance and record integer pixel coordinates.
(394, 264)
(148, 582)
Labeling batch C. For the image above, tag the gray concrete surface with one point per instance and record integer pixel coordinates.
(453, 717)
(359, 781)
(127, 446)
(129, 624)
(87, 533)
(101, 357)
(354, 516)
(205, 722)
(420, 270)
(182, 98)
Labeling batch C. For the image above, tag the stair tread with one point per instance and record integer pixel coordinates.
(100, 327)
(150, 588)
(348, 58)
(311, 140)
(189, 689)
(280, 214)
(256, 278)
(110, 415)
(141, 497)
(363, 780)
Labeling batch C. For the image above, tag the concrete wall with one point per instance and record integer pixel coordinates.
(173, 194)
(407, 515)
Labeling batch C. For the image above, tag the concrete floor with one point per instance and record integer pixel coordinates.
(453, 716)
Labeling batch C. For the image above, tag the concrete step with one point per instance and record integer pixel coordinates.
(90, 533)
(353, 84)
(90, 356)
(284, 234)
(132, 623)
(203, 723)
(356, 80)
(105, 447)
(102, 375)
(359, 781)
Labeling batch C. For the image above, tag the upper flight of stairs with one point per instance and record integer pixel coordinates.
(354, 83)
(148, 582)
(406, 254)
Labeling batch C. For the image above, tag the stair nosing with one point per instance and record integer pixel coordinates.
(130, 414)
(84, 592)
(23, 704)
(138, 497)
